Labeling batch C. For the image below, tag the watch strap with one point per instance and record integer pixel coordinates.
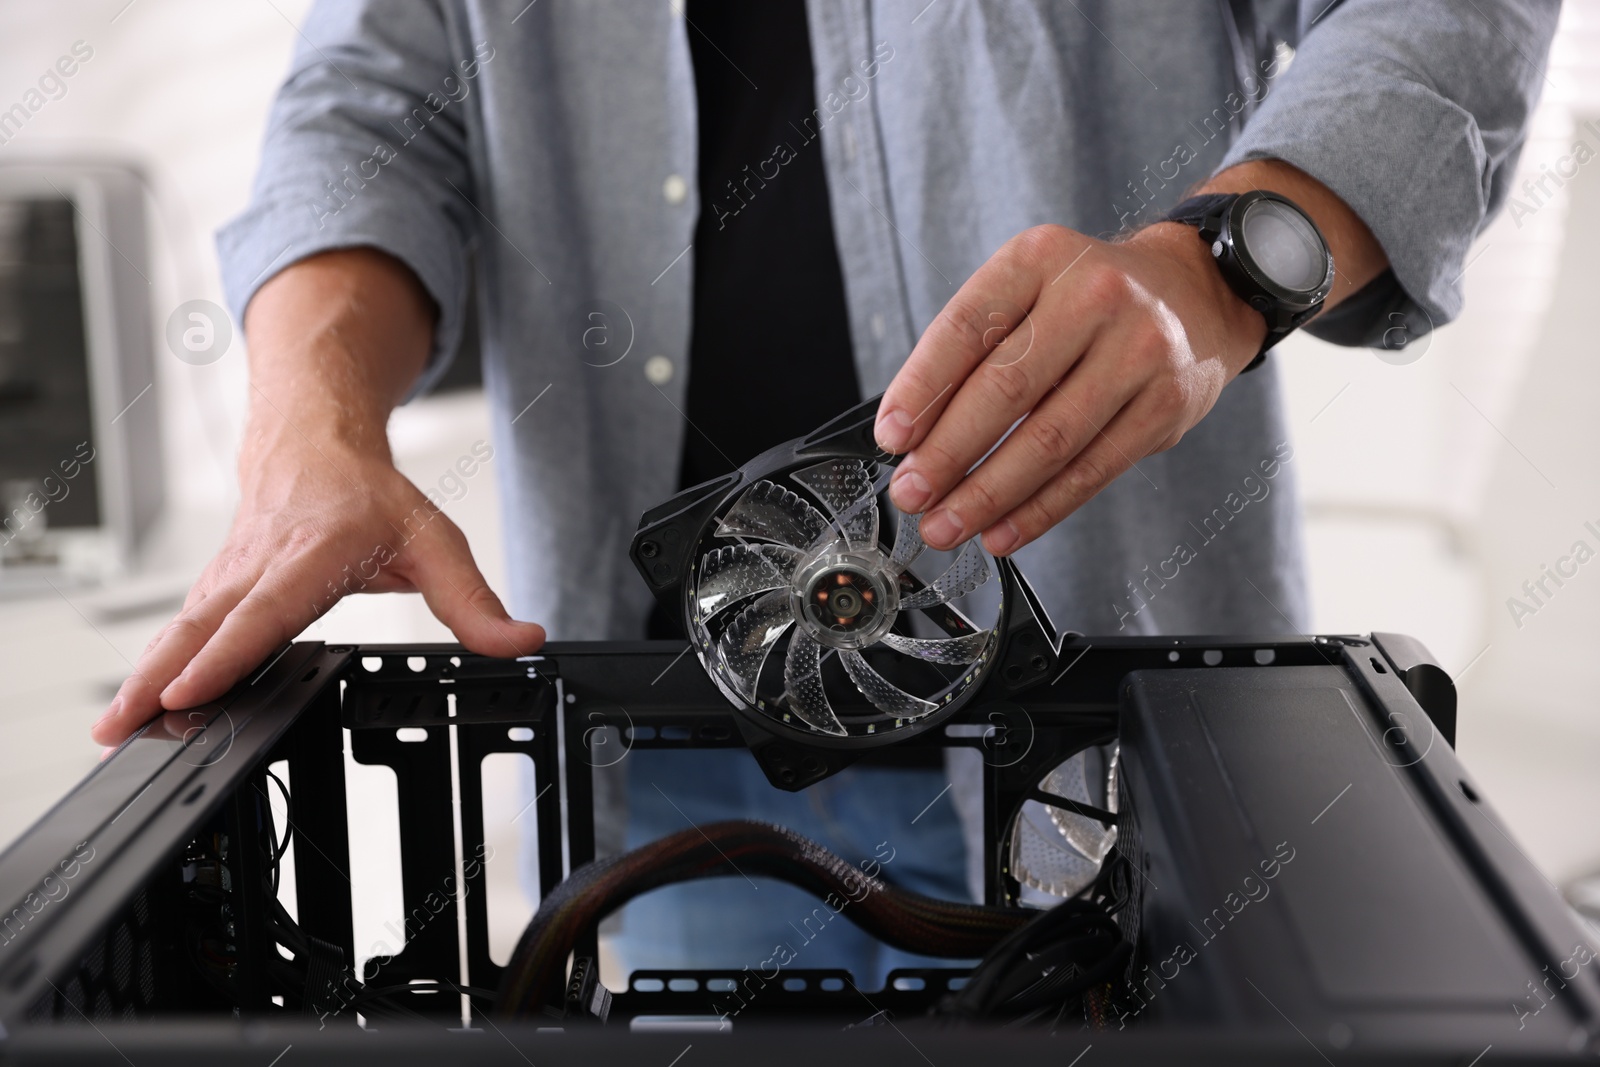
(1197, 210)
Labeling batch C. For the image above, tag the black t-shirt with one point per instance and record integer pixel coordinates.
(769, 355)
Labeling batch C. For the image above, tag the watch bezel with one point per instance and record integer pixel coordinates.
(1231, 235)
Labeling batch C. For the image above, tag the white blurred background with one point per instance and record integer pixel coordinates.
(1433, 489)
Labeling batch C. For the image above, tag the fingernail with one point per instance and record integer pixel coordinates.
(116, 706)
(893, 430)
(941, 529)
(910, 492)
(174, 684)
(1002, 537)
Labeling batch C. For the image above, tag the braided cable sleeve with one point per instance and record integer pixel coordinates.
(535, 975)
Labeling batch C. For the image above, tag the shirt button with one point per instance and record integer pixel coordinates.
(658, 370)
(675, 189)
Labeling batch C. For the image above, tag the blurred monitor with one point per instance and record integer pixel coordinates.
(80, 458)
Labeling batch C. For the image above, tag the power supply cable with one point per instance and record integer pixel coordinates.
(535, 976)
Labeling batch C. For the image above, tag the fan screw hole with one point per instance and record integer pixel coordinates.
(1014, 672)
(649, 550)
(1039, 663)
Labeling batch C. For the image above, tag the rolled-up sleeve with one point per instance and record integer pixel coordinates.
(366, 146)
(1413, 113)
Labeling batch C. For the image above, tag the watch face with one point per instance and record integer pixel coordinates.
(1284, 245)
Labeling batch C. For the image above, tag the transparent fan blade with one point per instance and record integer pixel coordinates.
(907, 543)
(1059, 851)
(859, 522)
(802, 678)
(969, 571)
(1042, 858)
(771, 513)
(885, 696)
(1090, 777)
(845, 487)
(733, 572)
(958, 650)
(745, 644)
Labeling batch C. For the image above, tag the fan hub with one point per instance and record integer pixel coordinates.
(845, 597)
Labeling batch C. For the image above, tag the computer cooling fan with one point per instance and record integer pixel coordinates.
(1054, 851)
(817, 610)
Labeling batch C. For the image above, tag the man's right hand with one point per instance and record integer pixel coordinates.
(323, 511)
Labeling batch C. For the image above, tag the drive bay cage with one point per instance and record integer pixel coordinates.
(1316, 870)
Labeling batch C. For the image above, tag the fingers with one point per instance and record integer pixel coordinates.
(1130, 436)
(981, 317)
(277, 608)
(1059, 427)
(252, 599)
(442, 569)
(139, 699)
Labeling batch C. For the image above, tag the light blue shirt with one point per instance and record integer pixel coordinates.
(556, 140)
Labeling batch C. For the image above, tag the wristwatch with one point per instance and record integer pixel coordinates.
(1269, 252)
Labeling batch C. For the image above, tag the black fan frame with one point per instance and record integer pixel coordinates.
(672, 534)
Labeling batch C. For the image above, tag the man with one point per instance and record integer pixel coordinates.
(702, 232)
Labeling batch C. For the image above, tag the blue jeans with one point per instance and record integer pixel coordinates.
(887, 814)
